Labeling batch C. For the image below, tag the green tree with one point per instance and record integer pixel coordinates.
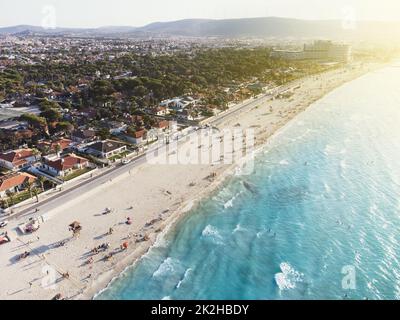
(65, 127)
(51, 115)
(41, 181)
(104, 133)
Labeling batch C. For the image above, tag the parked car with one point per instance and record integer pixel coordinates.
(3, 224)
(125, 162)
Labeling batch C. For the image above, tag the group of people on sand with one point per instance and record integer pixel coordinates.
(61, 243)
(25, 255)
(128, 221)
(108, 257)
(101, 248)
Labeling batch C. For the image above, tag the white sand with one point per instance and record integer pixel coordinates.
(149, 190)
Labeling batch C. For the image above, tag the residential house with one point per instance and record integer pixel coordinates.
(58, 145)
(142, 136)
(137, 137)
(138, 120)
(106, 149)
(15, 182)
(17, 159)
(64, 166)
(190, 115)
(83, 136)
(162, 125)
(160, 111)
(115, 127)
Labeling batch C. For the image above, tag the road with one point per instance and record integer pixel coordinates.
(76, 191)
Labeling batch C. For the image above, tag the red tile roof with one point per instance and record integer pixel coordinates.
(67, 162)
(140, 134)
(63, 143)
(12, 180)
(17, 157)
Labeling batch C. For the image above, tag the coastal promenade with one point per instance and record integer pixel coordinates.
(70, 191)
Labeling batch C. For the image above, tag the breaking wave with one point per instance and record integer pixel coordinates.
(167, 267)
(288, 277)
(185, 276)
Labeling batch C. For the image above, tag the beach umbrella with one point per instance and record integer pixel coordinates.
(75, 225)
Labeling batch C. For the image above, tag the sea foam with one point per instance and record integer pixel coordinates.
(185, 276)
(167, 267)
(212, 233)
(288, 277)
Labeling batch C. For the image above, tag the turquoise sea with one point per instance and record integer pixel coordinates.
(325, 195)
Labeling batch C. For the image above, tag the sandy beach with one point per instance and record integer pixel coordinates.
(154, 196)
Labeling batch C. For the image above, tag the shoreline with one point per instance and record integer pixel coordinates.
(150, 183)
(180, 214)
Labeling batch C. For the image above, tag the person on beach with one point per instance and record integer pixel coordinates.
(57, 297)
(124, 246)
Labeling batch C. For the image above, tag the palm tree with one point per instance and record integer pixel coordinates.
(36, 194)
(41, 180)
(46, 150)
(10, 194)
(5, 201)
(30, 185)
(35, 152)
(58, 149)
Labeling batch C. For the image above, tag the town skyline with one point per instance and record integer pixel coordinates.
(129, 13)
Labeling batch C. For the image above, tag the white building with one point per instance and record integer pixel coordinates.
(318, 50)
(179, 104)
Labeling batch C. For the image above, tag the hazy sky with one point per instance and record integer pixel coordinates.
(94, 13)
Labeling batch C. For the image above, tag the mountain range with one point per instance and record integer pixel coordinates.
(232, 28)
